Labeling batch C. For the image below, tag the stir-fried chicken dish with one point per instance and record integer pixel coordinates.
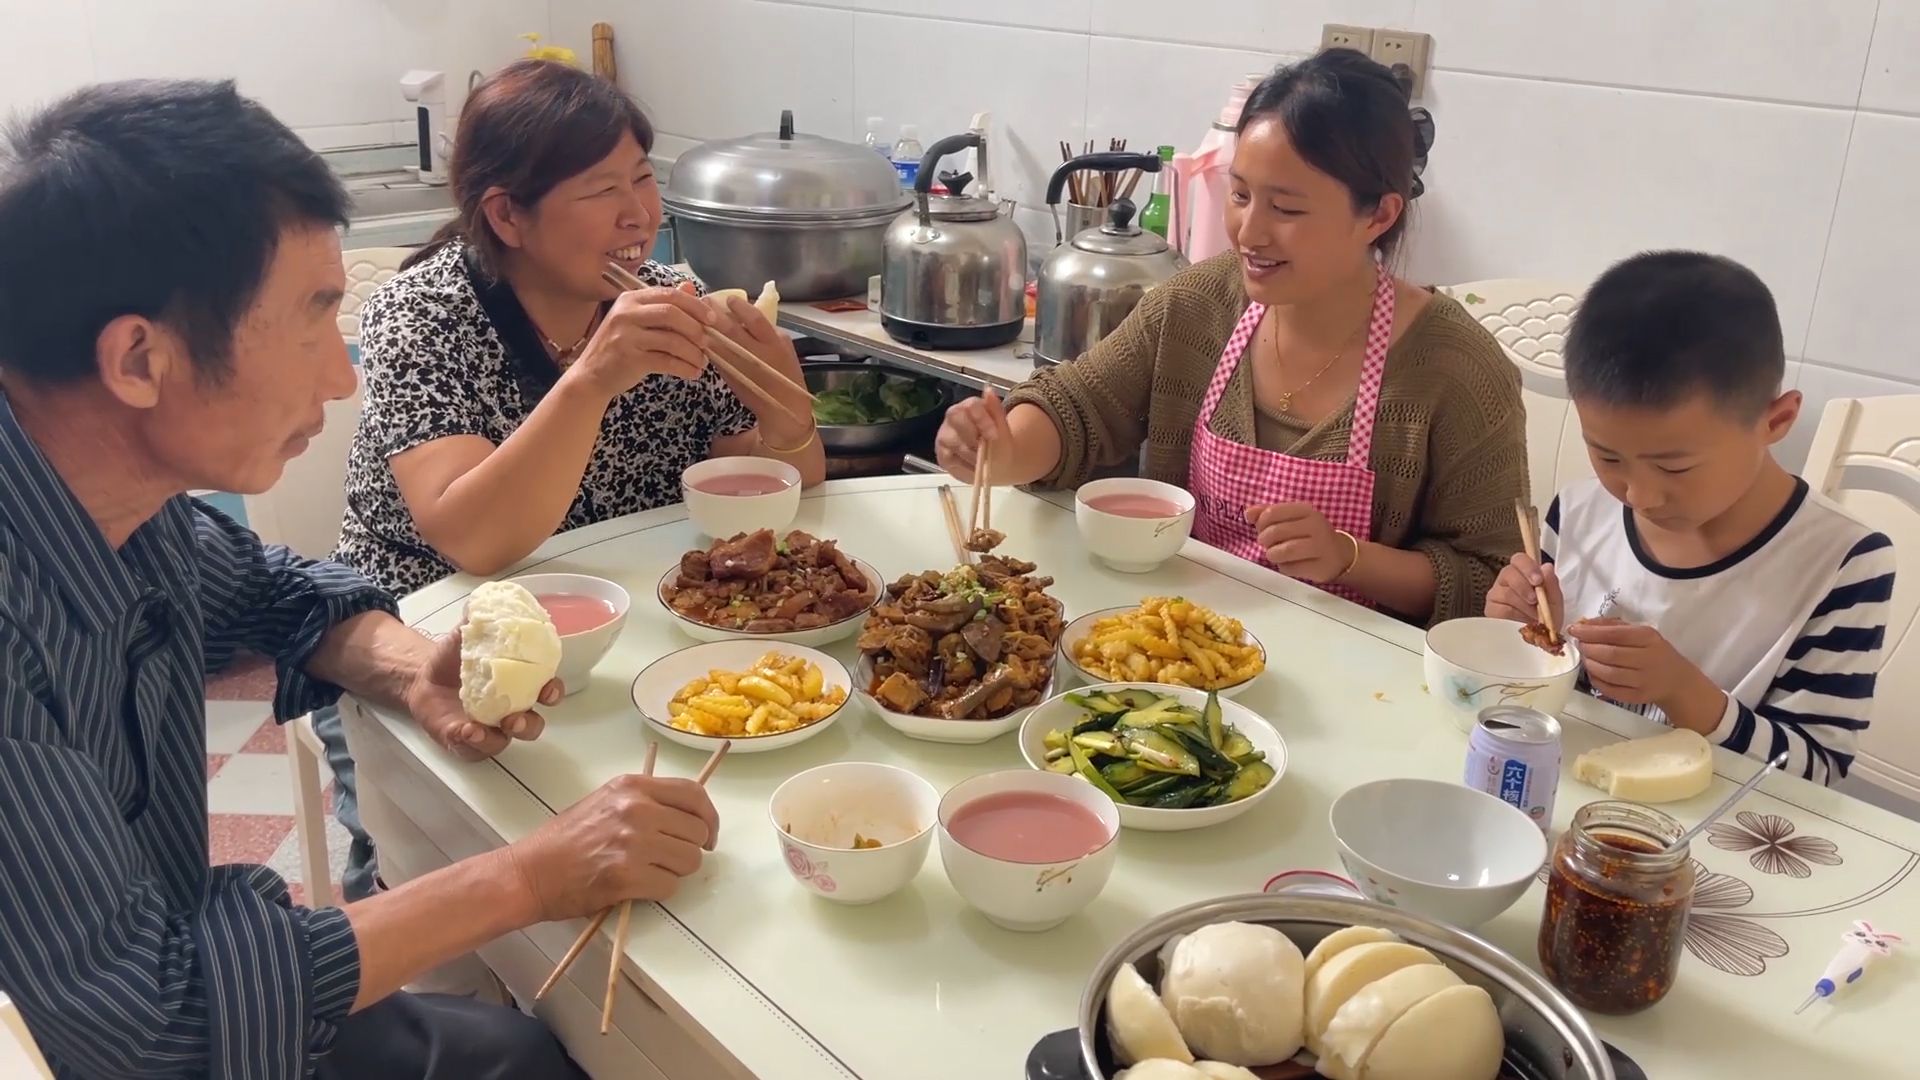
(756, 584)
(1537, 635)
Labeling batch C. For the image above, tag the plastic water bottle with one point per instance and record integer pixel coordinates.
(877, 142)
(907, 154)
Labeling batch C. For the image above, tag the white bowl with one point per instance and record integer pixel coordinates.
(1132, 545)
(819, 635)
(580, 652)
(1028, 896)
(933, 728)
(825, 807)
(1058, 712)
(724, 516)
(1078, 629)
(1473, 663)
(656, 684)
(1441, 850)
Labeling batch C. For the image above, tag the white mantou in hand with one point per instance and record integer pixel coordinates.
(509, 650)
(768, 302)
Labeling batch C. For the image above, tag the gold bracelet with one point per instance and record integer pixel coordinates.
(1351, 563)
(811, 436)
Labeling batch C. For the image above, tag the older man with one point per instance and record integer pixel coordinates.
(169, 278)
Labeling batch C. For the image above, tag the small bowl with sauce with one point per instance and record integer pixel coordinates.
(1131, 524)
(1441, 850)
(1028, 849)
(728, 496)
(854, 831)
(588, 612)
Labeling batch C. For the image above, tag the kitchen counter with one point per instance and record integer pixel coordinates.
(859, 332)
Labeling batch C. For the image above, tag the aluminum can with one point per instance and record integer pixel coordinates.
(1513, 754)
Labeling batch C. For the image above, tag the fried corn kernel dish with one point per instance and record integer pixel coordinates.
(1170, 641)
(780, 694)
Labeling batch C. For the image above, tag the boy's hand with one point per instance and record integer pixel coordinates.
(1512, 594)
(1634, 665)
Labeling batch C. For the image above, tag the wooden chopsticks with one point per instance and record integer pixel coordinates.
(626, 907)
(742, 359)
(982, 517)
(952, 511)
(1530, 536)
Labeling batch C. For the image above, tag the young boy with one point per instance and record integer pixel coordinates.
(1707, 586)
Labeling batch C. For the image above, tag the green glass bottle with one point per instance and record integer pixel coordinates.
(1158, 216)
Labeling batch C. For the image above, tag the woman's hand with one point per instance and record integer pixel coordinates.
(785, 412)
(969, 426)
(1300, 543)
(646, 332)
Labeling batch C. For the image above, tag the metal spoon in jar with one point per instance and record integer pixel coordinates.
(1738, 793)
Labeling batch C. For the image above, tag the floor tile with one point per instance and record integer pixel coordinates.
(245, 838)
(231, 723)
(214, 761)
(252, 784)
(270, 738)
(250, 678)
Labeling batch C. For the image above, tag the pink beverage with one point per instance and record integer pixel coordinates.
(1028, 827)
(1135, 505)
(573, 613)
(739, 484)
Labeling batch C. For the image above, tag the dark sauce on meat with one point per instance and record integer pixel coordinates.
(1616, 912)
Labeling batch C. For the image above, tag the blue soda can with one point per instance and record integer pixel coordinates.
(1513, 754)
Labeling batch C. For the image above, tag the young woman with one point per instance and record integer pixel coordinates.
(510, 393)
(1333, 421)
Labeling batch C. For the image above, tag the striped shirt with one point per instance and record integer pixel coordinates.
(127, 955)
(1791, 625)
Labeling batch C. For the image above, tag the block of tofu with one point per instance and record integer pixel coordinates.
(509, 650)
(1668, 767)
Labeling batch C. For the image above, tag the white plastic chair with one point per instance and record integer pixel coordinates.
(1529, 319)
(19, 1054)
(1866, 457)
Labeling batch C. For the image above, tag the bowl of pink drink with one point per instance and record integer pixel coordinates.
(587, 612)
(1027, 849)
(727, 496)
(1133, 524)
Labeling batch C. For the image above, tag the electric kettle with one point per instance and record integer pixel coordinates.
(954, 266)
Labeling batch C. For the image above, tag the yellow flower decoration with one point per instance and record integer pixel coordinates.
(557, 53)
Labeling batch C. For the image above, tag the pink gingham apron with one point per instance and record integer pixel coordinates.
(1228, 477)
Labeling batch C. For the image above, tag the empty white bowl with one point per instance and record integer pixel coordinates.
(819, 635)
(1077, 631)
(721, 514)
(1130, 543)
(933, 728)
(1022, 895)
(659, 681)
(1058, 712)
(581, 650)
(1473, 663)
(1441, 850)
(817, 815)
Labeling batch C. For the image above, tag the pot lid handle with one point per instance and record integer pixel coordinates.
(786, 125)
(1120, 216)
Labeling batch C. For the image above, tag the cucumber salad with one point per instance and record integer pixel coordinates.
(1146, 749)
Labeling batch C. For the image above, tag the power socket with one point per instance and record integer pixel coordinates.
(1409, 47)
(1357, 38)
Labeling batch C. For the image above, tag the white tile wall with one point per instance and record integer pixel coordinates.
(1260, 25)
(48, 52)
(1868, 280)
(1893, 66)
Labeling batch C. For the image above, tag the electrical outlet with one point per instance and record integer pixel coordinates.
(1357, 38)
(1408, 47)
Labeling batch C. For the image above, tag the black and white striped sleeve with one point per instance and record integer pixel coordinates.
(1818, 702)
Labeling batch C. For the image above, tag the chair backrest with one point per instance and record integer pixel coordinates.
(1866, 457)
(367, 270)
(1529, 319)
(303, 510)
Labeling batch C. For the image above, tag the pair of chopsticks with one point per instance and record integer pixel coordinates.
(626, 908)
(764, 375)
(982, 517)
(1529, 519)
(1102, 189)
(952, 511)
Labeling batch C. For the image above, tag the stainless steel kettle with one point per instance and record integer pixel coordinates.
(954, 266)
(1090, 284)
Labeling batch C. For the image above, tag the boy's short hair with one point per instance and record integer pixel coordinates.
(154, 198)
(1663, 326)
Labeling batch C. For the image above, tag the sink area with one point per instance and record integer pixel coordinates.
(386, 194)
(391, 207)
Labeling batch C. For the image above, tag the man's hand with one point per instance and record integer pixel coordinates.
(1300, 542)
(1512, 595)
(434, 700)
(633, 839)
(1634, 665)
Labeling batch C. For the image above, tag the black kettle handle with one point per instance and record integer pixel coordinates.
(952, 144)
(1107, 161)
(786, 125)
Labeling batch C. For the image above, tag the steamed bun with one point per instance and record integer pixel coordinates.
(1236, 990)
(509, 650)
(1137, 1021)
(1161, 1069)
(1220, 1070)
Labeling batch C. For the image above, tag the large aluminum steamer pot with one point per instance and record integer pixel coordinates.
(805, 212)
(1547, 1037)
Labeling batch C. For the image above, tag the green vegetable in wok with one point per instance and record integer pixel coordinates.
(874, 397)
(1145, 749)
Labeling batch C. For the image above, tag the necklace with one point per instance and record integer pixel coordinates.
(1285, 404)
(565, 356)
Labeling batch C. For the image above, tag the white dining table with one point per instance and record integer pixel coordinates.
(743, 973)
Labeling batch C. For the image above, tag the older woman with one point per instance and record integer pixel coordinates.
(510, 392)
(1332, 421)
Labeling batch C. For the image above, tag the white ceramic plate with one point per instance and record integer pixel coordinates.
(933, 729)
(820, 635)
(656, 684)
(1078, 629)
(1058, 712)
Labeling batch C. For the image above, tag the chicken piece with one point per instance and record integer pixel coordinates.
(1535, 634)
(900, 693)
(694, 569)
(911, 648)
(750, 555)
(793, 605)
(985, 637)
(985, 540)
(972, 703)
(770, 626)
